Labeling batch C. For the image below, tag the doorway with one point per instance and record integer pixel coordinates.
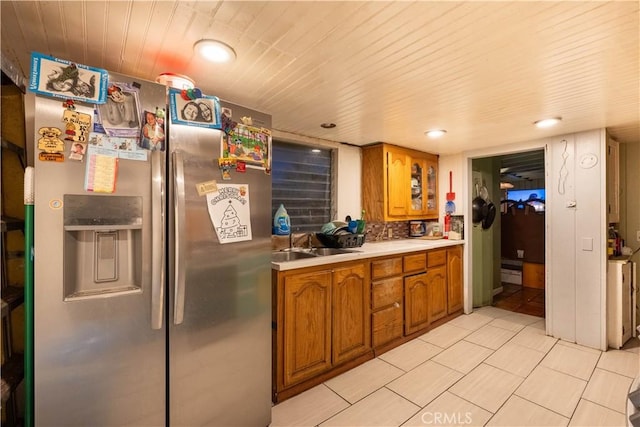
(513, 276)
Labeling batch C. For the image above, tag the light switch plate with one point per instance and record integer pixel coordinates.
(587, 243)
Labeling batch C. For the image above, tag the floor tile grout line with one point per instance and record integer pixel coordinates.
(420, 408)
(614, 372)
(572, 376)
(601, 405)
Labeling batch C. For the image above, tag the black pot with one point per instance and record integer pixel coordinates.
(479, 206)
(489, 217)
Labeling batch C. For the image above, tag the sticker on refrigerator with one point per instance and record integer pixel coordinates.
(153, 131)
(102, 170)
(50, 141)
(126, 148)
(249, 144)
(230, 212)
(77, 125)
(206, 187)
(77, 151)
(63, 79)
(203, 111)
(120, 114)
(225, 164)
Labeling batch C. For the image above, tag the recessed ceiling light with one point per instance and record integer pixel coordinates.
(214, 50)
(315, 150)
(545, 123)
(328, 125)
(174, 80)
(435, 133)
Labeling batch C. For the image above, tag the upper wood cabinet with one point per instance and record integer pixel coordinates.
(399, 183)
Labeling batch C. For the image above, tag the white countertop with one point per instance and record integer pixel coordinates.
(368, 250)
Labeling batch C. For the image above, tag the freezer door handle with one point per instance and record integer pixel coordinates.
(157, 240)
(179, 278)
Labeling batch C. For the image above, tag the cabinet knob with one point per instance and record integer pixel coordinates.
(396, 304)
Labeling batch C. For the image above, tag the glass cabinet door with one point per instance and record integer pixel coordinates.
(431, 189)
(417, 187)
(423, 187)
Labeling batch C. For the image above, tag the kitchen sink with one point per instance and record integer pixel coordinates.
(282, 256)
(299, 253)
(329, 251)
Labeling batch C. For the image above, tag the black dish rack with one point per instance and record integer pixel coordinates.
(341, 240)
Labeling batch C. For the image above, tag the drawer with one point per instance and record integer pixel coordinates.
(386, 325)
(435, 258)
(386, 292)
(415, 262)
(386, 267)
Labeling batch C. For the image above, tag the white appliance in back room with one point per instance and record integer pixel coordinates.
(142, 316)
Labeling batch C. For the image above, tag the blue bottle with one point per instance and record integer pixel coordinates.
(281, 222)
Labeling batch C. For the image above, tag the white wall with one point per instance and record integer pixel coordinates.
(349, 177)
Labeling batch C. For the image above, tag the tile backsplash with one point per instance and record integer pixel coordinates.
(375, 232)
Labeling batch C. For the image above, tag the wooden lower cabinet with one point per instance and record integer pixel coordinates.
(307, 326)
(351, 322)
(322, 323)
(387, 325)
(416, 303)
(329, 319)
(437, 286)
(454, 279)
(387, 317)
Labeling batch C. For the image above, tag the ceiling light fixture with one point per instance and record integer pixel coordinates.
(435, 133)
(506, 185)
(328, 125)
(545, 123)
(215, 51)
(177, 81)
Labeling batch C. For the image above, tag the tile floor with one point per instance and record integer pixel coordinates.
(492, 367)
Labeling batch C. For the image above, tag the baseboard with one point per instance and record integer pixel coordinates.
(496, 291)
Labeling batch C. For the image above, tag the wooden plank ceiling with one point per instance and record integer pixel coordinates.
(382, 71)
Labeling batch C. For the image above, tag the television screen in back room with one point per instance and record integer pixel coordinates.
(524, 195)
(534, 197)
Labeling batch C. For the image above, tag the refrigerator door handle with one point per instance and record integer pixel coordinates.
(157, 240)
(179, 278)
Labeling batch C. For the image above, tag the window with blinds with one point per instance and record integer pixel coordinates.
(301, 181)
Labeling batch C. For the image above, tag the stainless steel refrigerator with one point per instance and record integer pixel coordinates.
(142, 316)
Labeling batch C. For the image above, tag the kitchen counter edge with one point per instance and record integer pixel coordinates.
(368, 250)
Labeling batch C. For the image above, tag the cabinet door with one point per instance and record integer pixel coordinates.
(351, 313)
(387, 324)
(416, 303)
(417, 188)
(397, 183)
(307, 326)
(431, 188)
(454, 279)
(437, 285)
